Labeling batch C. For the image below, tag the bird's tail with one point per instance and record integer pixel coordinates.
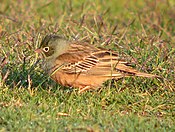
(141, 74)
(131, 71)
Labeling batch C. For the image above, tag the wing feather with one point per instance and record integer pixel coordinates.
(81, 66)
(93, 61)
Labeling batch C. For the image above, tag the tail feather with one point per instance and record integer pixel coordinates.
(141, 74)
(131, 70)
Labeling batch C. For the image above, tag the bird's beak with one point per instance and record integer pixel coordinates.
(38, 51)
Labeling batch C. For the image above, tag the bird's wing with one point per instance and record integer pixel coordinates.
(89, 60)
(78, 58)
(81, 66)
(111, 64)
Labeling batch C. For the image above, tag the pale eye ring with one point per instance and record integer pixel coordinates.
(46, 49)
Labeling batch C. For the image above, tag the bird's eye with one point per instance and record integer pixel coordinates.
(46, 49)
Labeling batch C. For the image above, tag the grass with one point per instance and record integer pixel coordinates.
(141, 30)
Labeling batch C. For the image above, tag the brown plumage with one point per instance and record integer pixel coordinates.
(82, 65)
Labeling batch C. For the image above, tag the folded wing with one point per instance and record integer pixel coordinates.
(93, 61)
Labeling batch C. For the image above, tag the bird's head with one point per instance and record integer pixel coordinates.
(52, 46)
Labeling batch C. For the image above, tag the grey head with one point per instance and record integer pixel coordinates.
(53, 45)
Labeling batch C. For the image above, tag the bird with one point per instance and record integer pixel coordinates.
(82, 65)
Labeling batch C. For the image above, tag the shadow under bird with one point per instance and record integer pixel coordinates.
(82, 65)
